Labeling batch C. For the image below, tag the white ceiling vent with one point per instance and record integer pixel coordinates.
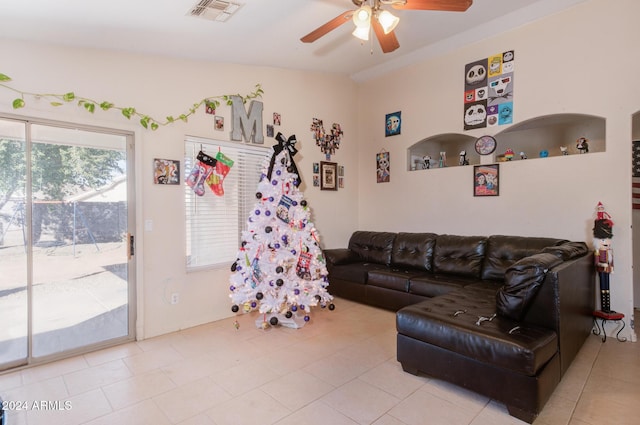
(214, 10)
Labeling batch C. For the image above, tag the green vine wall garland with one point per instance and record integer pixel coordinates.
(146, 121)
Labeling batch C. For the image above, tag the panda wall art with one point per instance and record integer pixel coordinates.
(488, 91)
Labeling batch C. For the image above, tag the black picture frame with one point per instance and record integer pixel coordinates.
(328, 175)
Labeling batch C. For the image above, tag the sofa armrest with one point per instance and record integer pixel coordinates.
(565, 303)
(339, 256)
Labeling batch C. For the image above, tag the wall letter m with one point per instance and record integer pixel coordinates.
(249, 127)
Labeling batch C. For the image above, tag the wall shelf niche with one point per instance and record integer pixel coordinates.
(532, 137)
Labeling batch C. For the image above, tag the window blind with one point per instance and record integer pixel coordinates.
(214, 224)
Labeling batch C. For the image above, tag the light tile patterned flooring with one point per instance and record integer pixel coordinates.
(339, 369)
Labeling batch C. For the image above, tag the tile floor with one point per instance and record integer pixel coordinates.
(339, 369)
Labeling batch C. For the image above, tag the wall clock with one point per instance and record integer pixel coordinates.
(485, 145)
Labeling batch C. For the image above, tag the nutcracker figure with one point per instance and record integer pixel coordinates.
(603, 256)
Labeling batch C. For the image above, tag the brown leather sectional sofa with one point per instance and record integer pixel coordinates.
(503, 316)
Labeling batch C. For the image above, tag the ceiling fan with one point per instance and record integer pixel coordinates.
(370, 14)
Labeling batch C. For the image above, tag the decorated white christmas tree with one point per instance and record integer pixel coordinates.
(280, 270)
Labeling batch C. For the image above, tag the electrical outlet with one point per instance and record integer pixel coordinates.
(175, 298)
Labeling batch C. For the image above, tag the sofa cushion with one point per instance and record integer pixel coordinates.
(372, 247)
(430, 285)
(452, 322)
(340, 256)
(569, 250)
(413, 250)
(522, 282)
(503, 251)
(392, 278)
(459, 255)
(354, 272)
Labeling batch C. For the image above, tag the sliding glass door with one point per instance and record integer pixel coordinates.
(66, 283)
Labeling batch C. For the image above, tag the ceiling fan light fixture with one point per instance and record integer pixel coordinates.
(362, 33)
(362, 16)
(387, 21)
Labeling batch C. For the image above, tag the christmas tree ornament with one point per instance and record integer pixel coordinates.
(235, 308)
(285, 273)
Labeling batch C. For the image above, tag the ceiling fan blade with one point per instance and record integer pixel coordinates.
(445, 5)
(388, 42)
(328, 27)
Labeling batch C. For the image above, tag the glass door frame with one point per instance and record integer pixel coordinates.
(30, 360)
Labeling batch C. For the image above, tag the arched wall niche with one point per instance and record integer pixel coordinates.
(528, 139)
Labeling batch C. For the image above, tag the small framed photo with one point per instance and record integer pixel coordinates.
(166, 171)
(316, 168)
(316, 180)
(486, 180)
(219, 123)
(328, 176)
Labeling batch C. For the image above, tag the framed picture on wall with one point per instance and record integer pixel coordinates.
(485, 180)
(328, 176)
(166, 171)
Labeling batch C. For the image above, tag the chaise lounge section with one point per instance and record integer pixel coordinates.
(503, 316)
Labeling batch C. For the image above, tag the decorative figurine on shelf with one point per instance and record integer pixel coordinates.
(582, 145)
(523, 155)
(443, 160)
(564, 151)
(544, 153)
(427, 162)
(508, 155)
(463, 158)
(602, 232)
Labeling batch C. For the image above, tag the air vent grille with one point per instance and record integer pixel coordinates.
(214, 10)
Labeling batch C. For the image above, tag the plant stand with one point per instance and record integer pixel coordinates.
(604, 317)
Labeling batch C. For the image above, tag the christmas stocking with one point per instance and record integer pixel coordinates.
(219, 172)
(200, 172)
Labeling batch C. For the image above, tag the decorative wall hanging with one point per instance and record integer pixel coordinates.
(277, 118)
(270, 130)
(485, 145)
(393, 124)
(166, 171)
(328, 142)
(383, 165)
(485, 180)
(129, 112)
(488, 91)
(328, 176)
(247, 125)
(209, 171)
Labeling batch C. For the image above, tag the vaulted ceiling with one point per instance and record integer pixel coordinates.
(262, 32)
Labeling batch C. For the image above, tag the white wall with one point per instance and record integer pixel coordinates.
(577, 61)
(159, 87)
